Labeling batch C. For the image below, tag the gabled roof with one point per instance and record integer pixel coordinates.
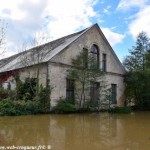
(111, 49)
(46, 52)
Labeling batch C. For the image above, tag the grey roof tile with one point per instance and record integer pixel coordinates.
(45, 53)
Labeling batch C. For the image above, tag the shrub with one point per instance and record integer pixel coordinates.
(7, 107)
(3, 93)
(27, 96)
(25, 99)
(26, 89)
(121, 109)
(32, 107)
(64, 107)
(44, 98)
(19, 107)
(11, 94)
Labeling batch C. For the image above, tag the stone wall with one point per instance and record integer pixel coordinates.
(86, 41)
(61, 62)
(57, 76)
(32, 73)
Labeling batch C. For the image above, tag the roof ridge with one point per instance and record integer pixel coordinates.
(44, 44)
(80, 34)
(53, 48)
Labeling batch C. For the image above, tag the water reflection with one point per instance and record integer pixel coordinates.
(25, 130)
(74, 132)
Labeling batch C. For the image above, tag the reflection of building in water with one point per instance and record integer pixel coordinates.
(25, 130)
(78, 132)
(86, 132)
(94, 132)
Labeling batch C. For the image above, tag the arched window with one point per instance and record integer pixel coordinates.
(95, 55)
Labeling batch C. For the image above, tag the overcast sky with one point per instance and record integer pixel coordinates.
(120, 20)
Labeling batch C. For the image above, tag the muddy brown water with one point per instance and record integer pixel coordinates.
(78, 131)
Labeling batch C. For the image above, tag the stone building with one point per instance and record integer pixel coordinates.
(54, 58)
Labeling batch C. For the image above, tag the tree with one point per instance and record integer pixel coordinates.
(34, 56)
(147, 59)
(136, 60)
(87, 75)
(138, 66)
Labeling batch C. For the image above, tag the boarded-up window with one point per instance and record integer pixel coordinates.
(70, 89)
(104, 62)
(114, 93)
(94, 92)
(85, 58)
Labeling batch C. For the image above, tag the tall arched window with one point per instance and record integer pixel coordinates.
(95, 55)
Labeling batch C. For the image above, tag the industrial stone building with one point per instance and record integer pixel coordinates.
(54, 58)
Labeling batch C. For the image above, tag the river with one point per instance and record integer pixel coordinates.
(101, 131)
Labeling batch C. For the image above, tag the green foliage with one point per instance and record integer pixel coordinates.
(145, 105)
(83, 76)
(120, 109)
(3, 93)
(7, 107)
(137, 58)
(64, 107)
(138, 66)
(19, 107)
(44, 97)
(27, 89)
(11, 94)
(23, 100)
(147, 59)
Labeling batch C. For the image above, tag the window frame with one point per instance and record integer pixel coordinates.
(94, 87)
(70, 87)
(85, 57)
(95, 53)
(104, 62)
(114, 93)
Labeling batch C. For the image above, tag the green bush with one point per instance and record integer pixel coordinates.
(32, 107)
(64, 107)
(121, 109)
(7, 107)
(3, 93)
(44, 98)
(19, 107)
(27, 96)
(11, 94)
(27, 89)
(25, 99)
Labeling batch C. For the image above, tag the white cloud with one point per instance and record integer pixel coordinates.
(127, 4)
(113, 38)
(10, 9)
(107, 10)
(56, 18)
(141, 22)
(68, 16)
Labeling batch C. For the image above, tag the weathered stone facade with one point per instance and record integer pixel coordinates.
(115, 71)
(60, 54)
